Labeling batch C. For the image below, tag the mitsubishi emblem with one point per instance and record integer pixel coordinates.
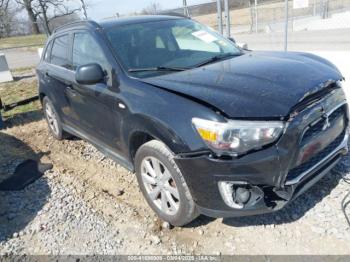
(326, 118)
(326, 124)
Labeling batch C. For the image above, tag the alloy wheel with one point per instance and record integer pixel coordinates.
(160, 185)
(51, 119)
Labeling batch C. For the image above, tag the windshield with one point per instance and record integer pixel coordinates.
(170, 44)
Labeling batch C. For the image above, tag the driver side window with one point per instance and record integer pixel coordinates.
(86, 50)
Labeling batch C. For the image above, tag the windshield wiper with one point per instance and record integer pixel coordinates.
(216, 58)
(158, 68)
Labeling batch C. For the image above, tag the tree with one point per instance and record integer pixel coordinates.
(45, 11)
(32, 14)
(5, 24)
(84, 8)
(59, 21)
(153, 9)
(4, 4)
(58, 9)
(9, 22)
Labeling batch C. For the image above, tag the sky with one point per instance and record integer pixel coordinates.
(100, 9)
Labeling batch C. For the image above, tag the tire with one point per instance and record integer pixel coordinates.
(180, 208)
(53, 121)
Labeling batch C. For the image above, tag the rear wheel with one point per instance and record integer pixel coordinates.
(163, 185)
(53, 120)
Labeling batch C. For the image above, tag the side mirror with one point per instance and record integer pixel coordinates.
(243, 46)
(232, 39)
(89, 74)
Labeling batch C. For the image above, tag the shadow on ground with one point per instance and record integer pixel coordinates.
(18, 78)
(23, 118)
(18, 208)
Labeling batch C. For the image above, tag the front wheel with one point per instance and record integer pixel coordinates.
(163, 185)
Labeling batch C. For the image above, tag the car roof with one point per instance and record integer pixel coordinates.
(137, 20)
(115, 22)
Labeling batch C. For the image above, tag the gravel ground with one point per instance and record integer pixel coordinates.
(89, 205)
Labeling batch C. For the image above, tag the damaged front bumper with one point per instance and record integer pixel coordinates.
(267, 180)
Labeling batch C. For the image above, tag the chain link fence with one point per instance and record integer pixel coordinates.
(321, 27)
(318, 25)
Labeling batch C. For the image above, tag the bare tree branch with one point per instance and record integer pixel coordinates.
(153, 9)
(4, 4)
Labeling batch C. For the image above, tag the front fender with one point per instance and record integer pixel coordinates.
(166, 116)
(155, 128)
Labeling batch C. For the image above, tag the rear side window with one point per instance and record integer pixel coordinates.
(46, 56)
(59, 52)
(86, 50)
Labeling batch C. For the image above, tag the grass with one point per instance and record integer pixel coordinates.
(22, 88)
(18, 41)
(22, 70)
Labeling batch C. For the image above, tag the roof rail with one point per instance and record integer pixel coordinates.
(174, 14)
(80, 22)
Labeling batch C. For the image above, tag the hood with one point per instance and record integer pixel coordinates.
(254, 85)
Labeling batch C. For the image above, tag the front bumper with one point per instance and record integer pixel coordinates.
(268, 170)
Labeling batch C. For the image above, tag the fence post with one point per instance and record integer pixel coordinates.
(256, 15)
(219, 16)
(186, 11)
(286, 27)
(314, 7)
(228, 20)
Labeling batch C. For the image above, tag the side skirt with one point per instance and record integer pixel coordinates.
(106, 150)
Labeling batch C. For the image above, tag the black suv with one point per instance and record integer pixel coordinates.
(208, 127)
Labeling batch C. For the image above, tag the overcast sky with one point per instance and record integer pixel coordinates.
(100, 9)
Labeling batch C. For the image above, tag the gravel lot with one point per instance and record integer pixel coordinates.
(87, 204)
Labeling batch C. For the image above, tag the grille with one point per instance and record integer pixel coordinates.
(295, 172)
(317, 128)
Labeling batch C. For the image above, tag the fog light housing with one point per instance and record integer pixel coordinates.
(234, 194)
(239, 194)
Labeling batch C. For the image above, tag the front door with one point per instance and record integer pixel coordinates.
(95, 106)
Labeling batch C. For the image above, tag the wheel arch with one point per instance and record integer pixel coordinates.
(139, 130)
(41, 97)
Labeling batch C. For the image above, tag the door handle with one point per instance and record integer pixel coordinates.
(71, 90)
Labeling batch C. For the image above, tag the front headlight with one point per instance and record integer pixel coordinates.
(237, 137)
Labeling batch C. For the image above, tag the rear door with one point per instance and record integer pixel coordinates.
(56, 76)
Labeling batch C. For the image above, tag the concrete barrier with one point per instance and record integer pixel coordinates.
(40, 52)
(5, 74)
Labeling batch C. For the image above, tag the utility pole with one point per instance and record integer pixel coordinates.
(314, 7)
(83, 6)
(186, 11)
(219, 8)
(228, 20)
(256, 15)
(286, 27)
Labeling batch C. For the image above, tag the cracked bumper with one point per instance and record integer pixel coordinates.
(269, 170)
(202, 175)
